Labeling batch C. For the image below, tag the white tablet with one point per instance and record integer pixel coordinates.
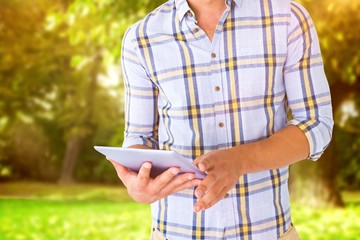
(161, 160)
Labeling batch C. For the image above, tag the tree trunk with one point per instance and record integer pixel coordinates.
(73, 149)
(75, 143)
(314, 184)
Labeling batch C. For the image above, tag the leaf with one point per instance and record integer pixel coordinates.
(76, 60)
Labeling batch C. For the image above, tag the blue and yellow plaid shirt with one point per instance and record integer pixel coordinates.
(191, 95)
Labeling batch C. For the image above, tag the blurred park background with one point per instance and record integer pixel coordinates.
(61, 93)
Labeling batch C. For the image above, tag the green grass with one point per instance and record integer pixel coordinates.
(327, 224)
(48, 211)
(63, 212)
(68, 219)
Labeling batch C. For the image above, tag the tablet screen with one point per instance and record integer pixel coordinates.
(161, 160)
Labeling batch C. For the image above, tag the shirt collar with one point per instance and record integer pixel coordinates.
(182, 7)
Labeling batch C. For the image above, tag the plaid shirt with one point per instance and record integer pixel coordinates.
(191, 95)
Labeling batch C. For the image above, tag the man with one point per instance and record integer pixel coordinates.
(213, 80)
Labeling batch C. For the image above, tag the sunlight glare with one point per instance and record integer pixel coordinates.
(348, 110)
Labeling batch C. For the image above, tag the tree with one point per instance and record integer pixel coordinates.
(339, 32)
(27, 72)
(47, 83)
(348, 143)
(28, 75)
(96, 28)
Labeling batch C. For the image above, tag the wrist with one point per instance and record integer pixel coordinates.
(246, 157)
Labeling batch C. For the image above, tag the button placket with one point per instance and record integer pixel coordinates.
(219, 110)
(217, 83)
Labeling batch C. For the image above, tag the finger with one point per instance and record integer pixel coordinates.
(176, 182)
(223, 194)
(122, 172)
(206, 184)
(144, 174)
(188, 184)
(202, 163)
(165, 178)
(206, 164)
(211, 196)
(197, 160)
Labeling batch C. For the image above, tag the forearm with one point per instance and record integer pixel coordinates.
(138, 146)
(285, 147)
(224, 167)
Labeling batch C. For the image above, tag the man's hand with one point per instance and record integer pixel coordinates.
(224, 167)
(223, 173)
(144, 189)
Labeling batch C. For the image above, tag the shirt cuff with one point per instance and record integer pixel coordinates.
(308, 128)
(140, 140)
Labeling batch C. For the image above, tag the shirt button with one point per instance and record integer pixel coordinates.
(217, 88)
(213, 55)
(196, 30)
(221, 124)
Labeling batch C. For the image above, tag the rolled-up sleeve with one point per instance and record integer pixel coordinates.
(141, 116)
(306, 85)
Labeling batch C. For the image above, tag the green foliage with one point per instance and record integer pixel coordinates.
(27, 71)
(348, 143)
(337, 23)
(52, 53)
(98, 26)
(50, 83)
(30, 151)
(348, 148)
